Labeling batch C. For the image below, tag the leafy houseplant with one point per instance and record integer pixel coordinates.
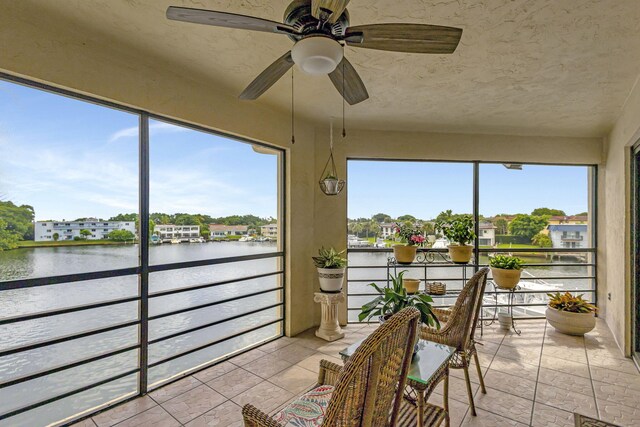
(393, 299)
(459, 232)
(331, 267)
(570, 314)
(412, 237)
(506, 270)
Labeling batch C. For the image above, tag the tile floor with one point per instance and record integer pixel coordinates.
(537, 379)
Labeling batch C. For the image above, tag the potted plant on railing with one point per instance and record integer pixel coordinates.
(570, 314)
(412, 238)
(506, 270)
(459, 232)
(395, 298)
(331, 267)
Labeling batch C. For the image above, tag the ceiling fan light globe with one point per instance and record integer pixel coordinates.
(317, 54)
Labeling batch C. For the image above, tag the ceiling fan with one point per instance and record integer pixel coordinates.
(320, 29)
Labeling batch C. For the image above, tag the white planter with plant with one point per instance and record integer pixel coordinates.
(506, 271)
(459, 232)
(331, 268)
(570, 314)
(412, 238)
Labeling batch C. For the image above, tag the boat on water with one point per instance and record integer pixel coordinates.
(196, 240)
(246, 239)
(354, 241)
(155, 240)
(174, 241)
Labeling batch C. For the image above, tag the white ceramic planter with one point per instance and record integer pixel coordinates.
(571, 323)
(331, 279)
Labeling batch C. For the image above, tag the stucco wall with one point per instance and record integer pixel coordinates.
(617, 219)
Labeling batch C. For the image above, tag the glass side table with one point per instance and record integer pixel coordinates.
(429, 366)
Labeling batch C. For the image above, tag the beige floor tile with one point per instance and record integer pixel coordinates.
(578, 355)
(622, 365)
(505, 404)
(235, 382)
(124, 411)
(226, 415)
(616, 394)
(615, 377)
(473, 374)
(526, 342)
(487, 419)
(619, 414)
(311, 342)
(193, 403)
(513, 367)
(564, 399)
(510, 384)
(295, 379)
(248, 357)
(530, 355)
(267, 366)
(565, 381)
(556, 338)
(333, 349)
(312, 363)
(214, 372)
(457, 410)
(457, 389)
(154, 417)
(265, 396)
(293, 353)
(566, 366)
(486, 347)
(174, 389)
(277, 344)
(548, 416)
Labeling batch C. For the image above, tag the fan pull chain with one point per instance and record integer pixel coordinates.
(293, 126)
(344, 130)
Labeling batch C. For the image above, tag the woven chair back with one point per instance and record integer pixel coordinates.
(369, 390)
(482, 284)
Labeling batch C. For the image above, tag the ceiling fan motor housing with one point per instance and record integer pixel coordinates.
(298, 15)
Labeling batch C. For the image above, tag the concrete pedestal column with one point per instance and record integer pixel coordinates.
(329, 327)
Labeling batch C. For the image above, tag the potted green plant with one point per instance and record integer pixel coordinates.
(395, 298)
(506, 270)
(459, 232)
(331, 267)
(412, 238)
(570, 314)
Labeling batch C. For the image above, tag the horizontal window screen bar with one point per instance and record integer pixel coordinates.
(193, 350)
(67, 394)
(483, 250)
(41, 314)
(206, 325)
(545, 264)
(68, 366)
(196, 307)
(67, 278)
(201, 263)
(209, 285)
(67, 338)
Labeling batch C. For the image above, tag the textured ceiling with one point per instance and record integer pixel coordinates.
(536, 67)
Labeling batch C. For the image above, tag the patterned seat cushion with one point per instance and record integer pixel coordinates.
(308, 410)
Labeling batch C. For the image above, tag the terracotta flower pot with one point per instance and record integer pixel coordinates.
(331, 279)
(460, 254)
(570, 323)
(411, 285)
(506, 279)
(404, 254)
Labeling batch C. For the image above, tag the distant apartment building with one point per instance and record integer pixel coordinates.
(269, 230)
(569, 235)
(569, 220)
(487, 236)
(220, 230)
(67, 230)
(167, 232)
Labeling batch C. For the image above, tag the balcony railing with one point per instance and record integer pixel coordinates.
(545, 271)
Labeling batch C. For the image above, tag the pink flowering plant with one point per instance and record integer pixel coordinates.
(410, 234)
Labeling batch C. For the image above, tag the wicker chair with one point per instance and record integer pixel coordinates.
(367, 391)
(459, 329)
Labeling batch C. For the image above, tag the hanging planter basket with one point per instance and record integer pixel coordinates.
(330, 184)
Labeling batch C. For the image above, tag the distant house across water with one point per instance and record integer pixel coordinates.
(269, 230)
(568, 235)
(487, 235)
(167, 232)
(67, 230)
(221, 230)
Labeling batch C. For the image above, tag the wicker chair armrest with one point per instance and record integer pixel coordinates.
(254, 417)
(440, 336)
(442, 314)
(329, 373)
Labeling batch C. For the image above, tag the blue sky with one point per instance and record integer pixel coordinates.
(72, 159)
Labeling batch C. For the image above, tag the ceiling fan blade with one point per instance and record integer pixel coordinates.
(331, 9)
(412, 38)
(229, 20)
(354, 90)
(268, 77)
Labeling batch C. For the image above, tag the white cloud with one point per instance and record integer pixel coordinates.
(155, 128)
